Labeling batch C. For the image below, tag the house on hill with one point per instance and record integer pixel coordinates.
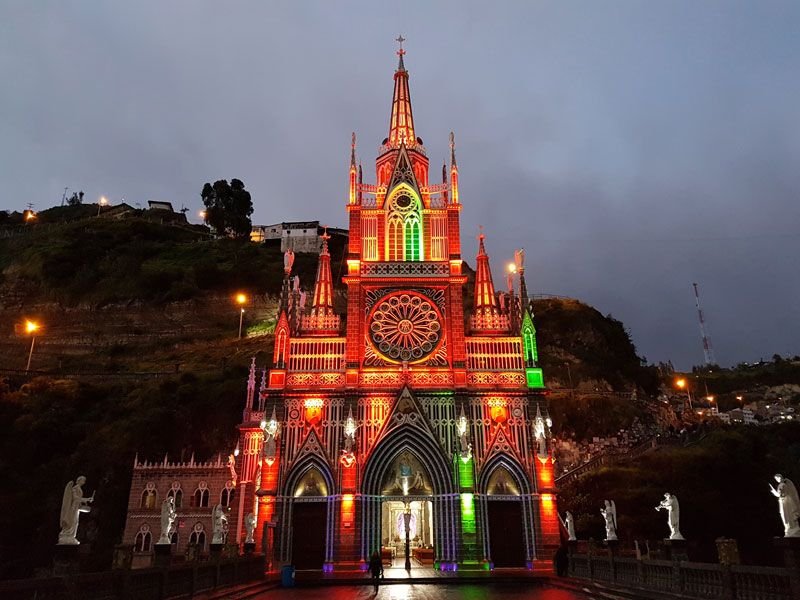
(300, 236)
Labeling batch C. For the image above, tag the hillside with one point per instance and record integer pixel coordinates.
(139, 354)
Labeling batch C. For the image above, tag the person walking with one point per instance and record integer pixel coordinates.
(376, 568)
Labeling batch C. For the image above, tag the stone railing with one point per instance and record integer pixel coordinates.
(183, 580)
(690, 579)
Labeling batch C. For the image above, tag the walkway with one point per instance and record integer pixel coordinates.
(473, 591)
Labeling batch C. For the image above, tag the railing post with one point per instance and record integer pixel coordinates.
(791, 558)
(589, 565)
(612, 552)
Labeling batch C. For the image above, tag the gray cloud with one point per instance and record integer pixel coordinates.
(630, 147)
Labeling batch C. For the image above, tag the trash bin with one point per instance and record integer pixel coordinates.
(287, 576)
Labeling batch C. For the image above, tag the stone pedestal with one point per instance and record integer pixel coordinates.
(215, 551)
(676, 550)
(790, 547)
(249, 547)
(613, 546)
(66, 560)
(163, 555)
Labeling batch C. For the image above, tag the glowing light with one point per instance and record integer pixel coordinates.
(313, 408)
(29, 215)
(31, 327)
(710, 398)
(681, 383)
(241, 299)
(263, 424)
(103, 201)
(512, 268)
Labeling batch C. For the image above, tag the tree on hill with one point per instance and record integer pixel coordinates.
(228, 207)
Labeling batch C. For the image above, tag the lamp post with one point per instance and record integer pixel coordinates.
(101, 203)
(31, 328)
(407, 523)
(240, 300)
(682, 383)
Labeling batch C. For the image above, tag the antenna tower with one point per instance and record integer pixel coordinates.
(708, 351)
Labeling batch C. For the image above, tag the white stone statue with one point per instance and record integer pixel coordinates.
(232, 467)
(220, 525)
(168, 516)
(462, 426)
(72, 505)
(609, 513)
(540, 433)
(271, 430)
(788, 504)
(670, 503)
(288, 260)
(569, 525)
(250, 528)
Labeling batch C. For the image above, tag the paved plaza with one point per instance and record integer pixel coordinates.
(478, 591)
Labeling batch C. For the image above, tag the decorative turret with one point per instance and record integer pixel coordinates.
(322, 321)
(401, 122)
(354, 172)
(453, 170)
(486, 316)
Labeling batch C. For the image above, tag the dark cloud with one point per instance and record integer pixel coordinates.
(632, 148)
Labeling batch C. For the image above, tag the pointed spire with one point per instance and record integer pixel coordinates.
(453, 170)
(322, 320)
(401, 121)
(323, 287)
(486, 315)
(251, 383)
(353, 170)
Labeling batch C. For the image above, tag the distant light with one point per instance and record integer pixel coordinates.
(681, 383)
(710, 398)
(103, 200)
(31, 327)
(512, 268)
(241, 298)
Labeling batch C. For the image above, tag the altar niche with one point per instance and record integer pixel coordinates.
(393, 535)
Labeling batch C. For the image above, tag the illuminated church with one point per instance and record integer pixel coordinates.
(405, 412)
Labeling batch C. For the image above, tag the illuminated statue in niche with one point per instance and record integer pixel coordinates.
(465, 450)
(271, 430)
(788, 504)
(609, 513)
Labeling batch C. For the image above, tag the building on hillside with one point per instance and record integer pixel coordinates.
(405, 425)
(298, 236)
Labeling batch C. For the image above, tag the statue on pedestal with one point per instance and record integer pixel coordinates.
(670, 503)
(220, 525)
(465, 447)
(250, 528)
(788, 505)
(609, 513)
(72, 505)
(569, 525)
(168, 515)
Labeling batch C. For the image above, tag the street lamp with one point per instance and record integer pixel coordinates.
(241, 299)
(202, 214)
(682, 383)
(31, 328)
(101, 203)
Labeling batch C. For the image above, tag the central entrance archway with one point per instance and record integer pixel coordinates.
(406, 493)
(408, 466)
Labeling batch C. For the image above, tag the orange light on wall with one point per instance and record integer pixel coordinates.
(545, 475)
(313, 408)
(548, 504)
(498, 410)
(348, 510)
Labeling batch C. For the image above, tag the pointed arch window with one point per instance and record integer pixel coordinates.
(198, 536)
(226, 498)
(149, 497)
(404, 227)
(200, 497)
(144, 539)
(176, 493)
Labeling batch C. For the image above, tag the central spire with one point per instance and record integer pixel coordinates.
(401, 122)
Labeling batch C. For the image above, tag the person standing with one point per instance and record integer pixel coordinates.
(376, 569)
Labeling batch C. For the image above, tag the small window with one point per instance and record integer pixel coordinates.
(175, 492)
(200, 498)
(144, 539)
(226, 499)
(198, 537)
(149, 497)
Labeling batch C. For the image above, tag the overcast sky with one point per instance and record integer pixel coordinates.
(631, 148)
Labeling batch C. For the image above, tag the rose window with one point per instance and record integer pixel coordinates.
(405, 327)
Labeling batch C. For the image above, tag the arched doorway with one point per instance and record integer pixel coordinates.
(407, 466)
(406, 504)
(309, 540)
(507, 508)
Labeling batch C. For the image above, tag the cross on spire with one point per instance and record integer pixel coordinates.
(400, 39)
